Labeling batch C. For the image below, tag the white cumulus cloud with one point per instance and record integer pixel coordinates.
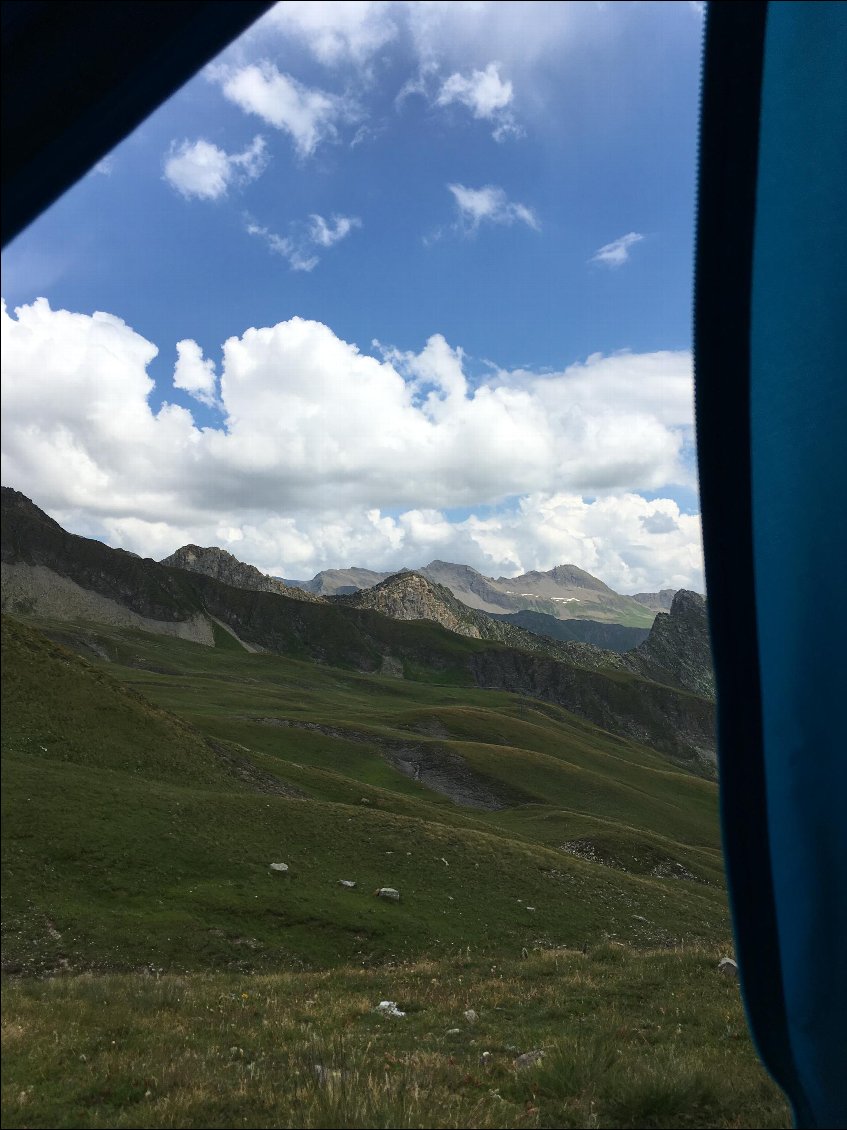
(616, 253)
(308, 115)
(325, 455)
(490, 204)
(195, 374)
(201, 169)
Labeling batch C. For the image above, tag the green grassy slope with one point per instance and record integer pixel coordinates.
(146, 796)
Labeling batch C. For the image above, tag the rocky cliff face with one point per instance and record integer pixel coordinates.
(678, 652)
(222, 566)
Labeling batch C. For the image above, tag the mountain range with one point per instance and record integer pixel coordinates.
(565, 592)
(646, 693)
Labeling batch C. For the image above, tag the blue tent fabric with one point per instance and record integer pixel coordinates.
(771, 387)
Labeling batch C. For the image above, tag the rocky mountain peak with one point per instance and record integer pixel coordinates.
(212, 561)
(690, 604)
(13, 500)
(412, 596)
(678, 650)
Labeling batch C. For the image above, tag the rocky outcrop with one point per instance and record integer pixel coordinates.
(409, 596)
(677, 651)
(223, 566)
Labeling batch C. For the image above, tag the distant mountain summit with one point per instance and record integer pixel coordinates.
(566, 592)
(559, 577)
(656, 601)
(340, 582)
(223, 566)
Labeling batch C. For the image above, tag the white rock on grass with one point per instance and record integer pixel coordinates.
(279, 867)
(471, 1016)
(388, 893)
(389, 1008)
(349, 883)
(728, 967)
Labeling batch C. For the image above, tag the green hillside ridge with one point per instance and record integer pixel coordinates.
(112, 863)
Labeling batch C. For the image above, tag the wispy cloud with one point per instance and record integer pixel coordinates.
(486, 95)
(310, 116)
(333, 33)
(616, 253)
(326, 233)
(490, 204)
(203, 170)
(298, 247)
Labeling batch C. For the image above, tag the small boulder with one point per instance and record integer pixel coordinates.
(453, 1032)
(529, 1059)
(389, 1008)
(471, 1016)
(349, 883)
(728, 967)
(282, 867)
(388, 893)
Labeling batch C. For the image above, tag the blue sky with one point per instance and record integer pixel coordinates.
(450, 250)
